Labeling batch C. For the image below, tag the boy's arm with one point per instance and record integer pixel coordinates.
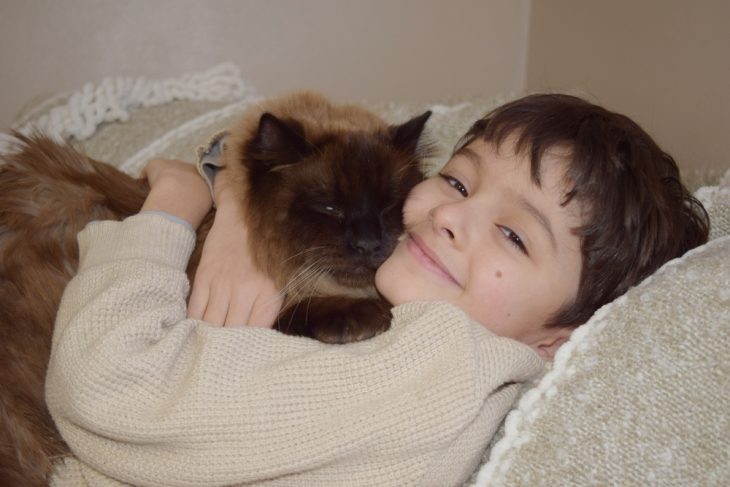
(228, 288)
(146, 396)
(175, 189)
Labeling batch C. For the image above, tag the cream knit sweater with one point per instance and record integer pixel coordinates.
(145, 396)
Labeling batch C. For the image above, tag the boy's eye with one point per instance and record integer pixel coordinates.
(455, 183)
(513, 239)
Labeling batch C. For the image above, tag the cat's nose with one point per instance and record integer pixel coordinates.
(366, 245)
(368, 241)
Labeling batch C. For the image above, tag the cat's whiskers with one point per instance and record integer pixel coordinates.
(302, 278)
(303, 252)
(309, 276)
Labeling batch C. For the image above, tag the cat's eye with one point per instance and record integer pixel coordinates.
(330, 210)
(513, 238)
(455, 183)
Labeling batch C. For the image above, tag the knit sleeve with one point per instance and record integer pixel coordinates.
(145, 396)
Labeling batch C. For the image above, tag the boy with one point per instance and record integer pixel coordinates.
(549, 208)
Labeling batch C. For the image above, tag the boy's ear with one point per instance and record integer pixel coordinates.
(407, 135)
(277, 142)
(548, 345)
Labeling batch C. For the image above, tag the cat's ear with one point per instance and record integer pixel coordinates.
(407, 136)
(278, 142)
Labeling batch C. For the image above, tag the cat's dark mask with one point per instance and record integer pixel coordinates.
(339, 192)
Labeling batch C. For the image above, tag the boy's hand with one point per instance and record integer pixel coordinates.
(228, 288)
(177, 189)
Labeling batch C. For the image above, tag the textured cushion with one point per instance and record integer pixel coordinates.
(638, 396)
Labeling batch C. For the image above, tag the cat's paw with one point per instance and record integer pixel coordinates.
(336, 320)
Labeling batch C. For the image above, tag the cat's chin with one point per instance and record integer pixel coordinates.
(354, 278)
(331, 287)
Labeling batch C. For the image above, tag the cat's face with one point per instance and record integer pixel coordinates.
(332, 207)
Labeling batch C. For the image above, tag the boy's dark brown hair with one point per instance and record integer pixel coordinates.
(637, 213)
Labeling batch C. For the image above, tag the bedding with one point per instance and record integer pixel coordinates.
(639, 394)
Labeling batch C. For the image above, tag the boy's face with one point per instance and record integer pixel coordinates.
(481, 235)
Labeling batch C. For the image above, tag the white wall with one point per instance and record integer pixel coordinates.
(407, 50)
(665, 63)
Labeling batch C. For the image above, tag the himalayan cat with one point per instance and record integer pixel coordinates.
(323, 186)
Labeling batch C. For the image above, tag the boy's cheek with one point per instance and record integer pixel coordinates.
(393, 279)
(410, 213)
(419, 202)
(383, 280)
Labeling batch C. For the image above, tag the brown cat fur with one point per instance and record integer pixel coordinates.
(304, 167)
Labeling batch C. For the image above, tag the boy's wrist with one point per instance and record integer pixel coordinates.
(181, 201)
(223, 188)
(229, 214)
(226, 201)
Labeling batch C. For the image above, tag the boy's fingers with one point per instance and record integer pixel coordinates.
(196, 305)
(265, 310)
(198, 298)
(239, 311)
(217, 308)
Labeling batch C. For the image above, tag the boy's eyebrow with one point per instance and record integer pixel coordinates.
(471, 155)
(541, 219)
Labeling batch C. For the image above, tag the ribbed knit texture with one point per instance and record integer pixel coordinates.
(144, 396)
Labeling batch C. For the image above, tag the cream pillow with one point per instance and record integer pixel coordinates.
(640, 394)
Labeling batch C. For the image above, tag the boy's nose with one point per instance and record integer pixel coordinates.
(446, 220)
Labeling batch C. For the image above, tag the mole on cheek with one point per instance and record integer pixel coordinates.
(498, 274)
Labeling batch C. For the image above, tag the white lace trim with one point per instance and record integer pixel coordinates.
(518, 421)
(114, 98)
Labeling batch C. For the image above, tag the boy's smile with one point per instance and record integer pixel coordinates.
(483, 236)
(426, 257)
